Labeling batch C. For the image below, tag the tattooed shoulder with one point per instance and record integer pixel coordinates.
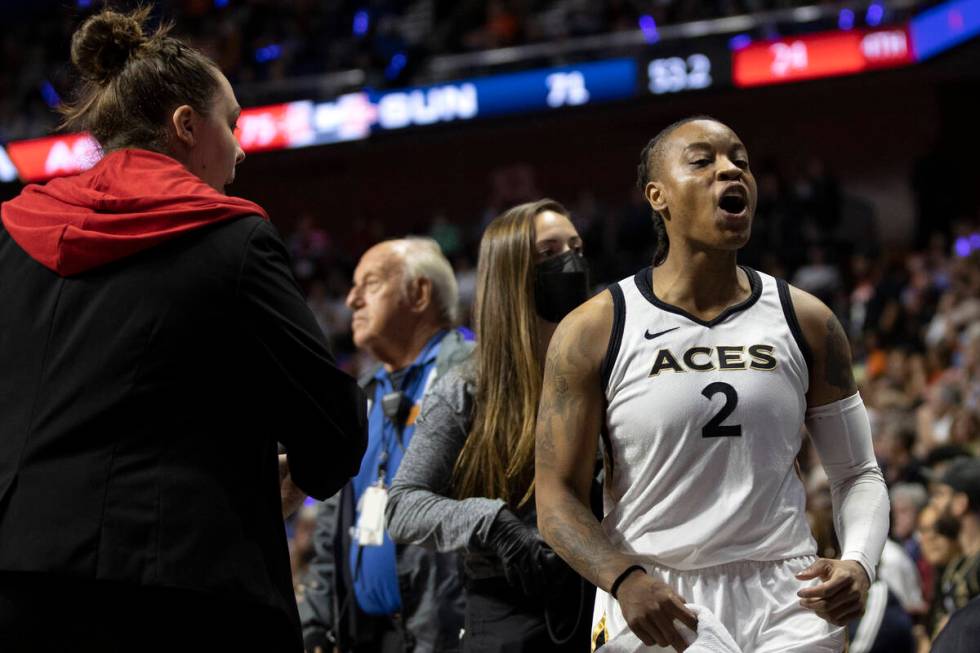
(837, 370)
(573, 347)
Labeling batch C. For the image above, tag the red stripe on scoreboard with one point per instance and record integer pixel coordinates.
(276, 126)
(40, 159)
(813, 56)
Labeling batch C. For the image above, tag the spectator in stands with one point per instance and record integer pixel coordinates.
(965, 430)
(819, 277)
(363, 594)
(898, 377)
(900, 463)
(957, 495)
(907, 499)
(935, 417)
(899, 573)
(939, 458)
(938, 537)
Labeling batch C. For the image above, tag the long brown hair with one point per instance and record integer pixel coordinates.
(498, 458)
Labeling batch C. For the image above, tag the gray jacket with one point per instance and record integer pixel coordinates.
(429, 582)
(419, 509)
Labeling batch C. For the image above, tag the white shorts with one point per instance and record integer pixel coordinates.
(756, 602)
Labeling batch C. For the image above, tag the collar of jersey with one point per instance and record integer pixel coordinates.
(644, 282)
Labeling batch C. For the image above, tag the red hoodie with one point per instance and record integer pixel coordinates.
(129, 201)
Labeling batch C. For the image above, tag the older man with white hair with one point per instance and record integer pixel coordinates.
(363, 593)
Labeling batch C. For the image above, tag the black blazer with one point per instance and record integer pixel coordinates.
(140, 407)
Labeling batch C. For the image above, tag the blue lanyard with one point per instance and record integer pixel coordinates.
(409, 389)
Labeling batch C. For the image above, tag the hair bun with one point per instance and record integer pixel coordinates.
(103, 44)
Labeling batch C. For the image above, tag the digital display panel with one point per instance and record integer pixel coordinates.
(813, 56)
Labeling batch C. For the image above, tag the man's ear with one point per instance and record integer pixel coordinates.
(184, 124)
(420, 294)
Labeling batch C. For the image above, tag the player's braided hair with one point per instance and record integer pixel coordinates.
(649, 168)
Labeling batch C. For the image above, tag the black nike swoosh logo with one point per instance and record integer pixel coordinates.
(651, 336)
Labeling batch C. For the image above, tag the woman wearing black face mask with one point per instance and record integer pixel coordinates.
(466, 481)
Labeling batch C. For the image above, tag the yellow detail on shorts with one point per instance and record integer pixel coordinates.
(600, 635)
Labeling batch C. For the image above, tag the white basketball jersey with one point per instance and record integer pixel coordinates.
(703, 424)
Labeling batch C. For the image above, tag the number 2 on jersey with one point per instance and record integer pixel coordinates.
(714, 428)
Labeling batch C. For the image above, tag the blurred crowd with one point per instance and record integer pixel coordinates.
(913, 317)
(390, 41)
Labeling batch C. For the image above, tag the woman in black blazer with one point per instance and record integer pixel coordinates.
(154, 348)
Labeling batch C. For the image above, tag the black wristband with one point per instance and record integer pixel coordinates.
(619, 579)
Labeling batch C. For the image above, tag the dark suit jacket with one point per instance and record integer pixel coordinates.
(140, 407)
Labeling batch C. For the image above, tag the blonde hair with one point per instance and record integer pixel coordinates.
(497, 459)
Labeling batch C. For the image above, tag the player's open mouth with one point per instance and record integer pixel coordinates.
(732, 204)
(733, 201)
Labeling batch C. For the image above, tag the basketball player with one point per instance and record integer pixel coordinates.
(699, 374)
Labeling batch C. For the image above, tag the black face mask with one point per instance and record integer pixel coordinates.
(561, 283)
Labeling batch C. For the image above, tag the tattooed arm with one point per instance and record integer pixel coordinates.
(831, 376)
(569, 419)
(841, 433)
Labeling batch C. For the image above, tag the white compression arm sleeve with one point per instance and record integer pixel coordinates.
(841, 434)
